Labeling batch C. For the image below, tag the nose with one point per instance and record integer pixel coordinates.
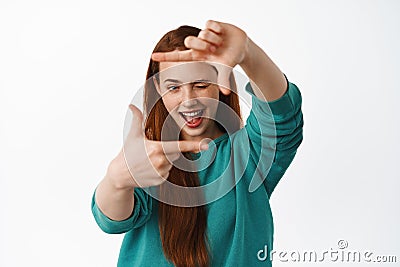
(188, 96)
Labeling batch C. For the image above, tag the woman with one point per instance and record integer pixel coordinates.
(222, 227)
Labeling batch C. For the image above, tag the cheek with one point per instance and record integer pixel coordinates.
(213, 101)
(170, 103)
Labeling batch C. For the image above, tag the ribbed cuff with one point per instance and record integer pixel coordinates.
(286, 104)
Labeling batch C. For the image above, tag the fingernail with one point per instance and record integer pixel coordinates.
(204, 146)
(213, 48)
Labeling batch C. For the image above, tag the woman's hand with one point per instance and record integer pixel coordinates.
(143, 162)
(219, 42)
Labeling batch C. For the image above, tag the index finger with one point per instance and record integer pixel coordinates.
(185, 55)
(171, 147)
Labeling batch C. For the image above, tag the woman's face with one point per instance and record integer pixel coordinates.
(191, 94)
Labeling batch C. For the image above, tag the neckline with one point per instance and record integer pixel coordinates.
(220, 138)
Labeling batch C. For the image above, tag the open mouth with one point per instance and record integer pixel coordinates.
(193, 118)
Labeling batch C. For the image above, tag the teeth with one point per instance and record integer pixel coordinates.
(191, 114)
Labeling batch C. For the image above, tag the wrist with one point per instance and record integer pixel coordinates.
(247, 57)
(119, 177)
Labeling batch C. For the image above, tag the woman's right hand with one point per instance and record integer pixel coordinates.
(143, 162)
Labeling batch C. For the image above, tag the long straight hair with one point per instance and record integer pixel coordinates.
(182, 229)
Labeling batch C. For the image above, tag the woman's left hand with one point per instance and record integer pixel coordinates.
(221, 43)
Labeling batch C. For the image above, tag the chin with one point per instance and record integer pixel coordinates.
(198, 131)
(193, 132)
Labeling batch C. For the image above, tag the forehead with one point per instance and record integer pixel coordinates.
(187, 71)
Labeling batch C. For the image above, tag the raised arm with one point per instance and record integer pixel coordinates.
(263, 73)
(229, 46)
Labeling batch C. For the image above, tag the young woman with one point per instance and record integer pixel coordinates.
(190, 82)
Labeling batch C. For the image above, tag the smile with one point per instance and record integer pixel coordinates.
(193, 118)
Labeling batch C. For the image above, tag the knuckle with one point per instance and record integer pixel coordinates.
(158, 162)
(152, 150)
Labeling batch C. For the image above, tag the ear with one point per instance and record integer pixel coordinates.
(156, 84)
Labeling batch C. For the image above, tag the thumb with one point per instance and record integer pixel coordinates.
(137, 128)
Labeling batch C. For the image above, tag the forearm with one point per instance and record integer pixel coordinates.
(116, 203)
(263, 73)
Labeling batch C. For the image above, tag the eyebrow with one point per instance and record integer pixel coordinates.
(177, 81)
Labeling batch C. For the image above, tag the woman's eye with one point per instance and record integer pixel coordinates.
(196, 85)
(202, 85)
(172, 87)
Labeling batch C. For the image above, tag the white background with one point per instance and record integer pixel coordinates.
(68, 70)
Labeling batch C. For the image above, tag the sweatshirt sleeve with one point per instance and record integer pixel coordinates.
(275, 131)
(141, 213)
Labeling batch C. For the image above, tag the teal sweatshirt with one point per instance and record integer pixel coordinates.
(240, 223)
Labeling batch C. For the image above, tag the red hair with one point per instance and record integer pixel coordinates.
(182, 229)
